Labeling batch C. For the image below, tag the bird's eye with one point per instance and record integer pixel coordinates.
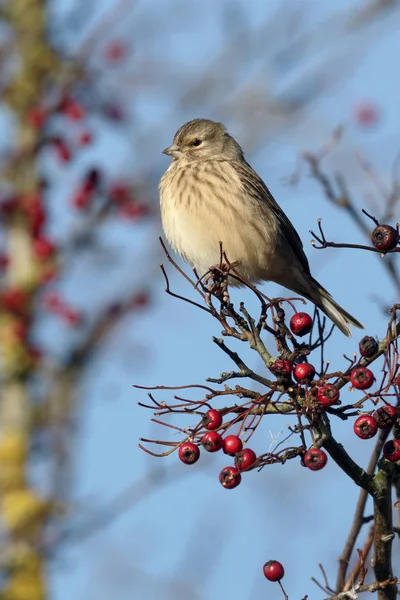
(196, 142)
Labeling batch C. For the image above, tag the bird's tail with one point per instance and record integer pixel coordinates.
(332, 309)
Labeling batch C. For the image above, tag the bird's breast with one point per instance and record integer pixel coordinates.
(201, 207)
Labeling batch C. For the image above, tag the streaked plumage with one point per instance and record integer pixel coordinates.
(210, 194)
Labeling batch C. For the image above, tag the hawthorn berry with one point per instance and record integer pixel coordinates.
(43, 248)
(273, 570)
(365, 427)
(232, 445)
(328, 394)
(189, 453)
(315, 459)
(301, 324)
(385, 237)
(366, 113)
(304, 372)
(282, 367)
(212, 419)
(362, 378)
(368, 346)
(230, 477)
(212, 441)
(385, 416)
(245, 459)
(391, 450)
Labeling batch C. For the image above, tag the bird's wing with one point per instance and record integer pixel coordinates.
(255, 186)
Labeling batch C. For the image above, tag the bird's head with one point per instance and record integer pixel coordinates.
(202, 139)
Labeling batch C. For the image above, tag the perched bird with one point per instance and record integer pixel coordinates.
(210, 194)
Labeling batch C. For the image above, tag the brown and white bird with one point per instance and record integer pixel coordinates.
(210, 194)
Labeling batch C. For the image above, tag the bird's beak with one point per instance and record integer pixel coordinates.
(173, 151)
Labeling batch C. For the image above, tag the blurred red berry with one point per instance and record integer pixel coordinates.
(82, 198)
(301, 324)
(115, 51)
(282, 367)
(304, 372)
(189, 453)
(120, 193)
(35, 212)
(71, 317)
(15, 300)
(8, 207)
(385, 237)
(85, 138)
(362, 378)
(368, 346)
(366, 113)
(391, 450)
(245, 459)
(212, 419)
(62, 149)
(36, 117)
(141, 299)
(52, 302)
(328, 394)
(20, 330)
(4, 261)
(43, 248)
(365, 427)
(232, 445)
(211, 441)
(133, 211)
(230, 477)
(315, 459)
(385, 416)
(73, 110)
(273, 570)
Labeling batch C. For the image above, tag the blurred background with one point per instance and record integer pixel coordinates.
(91, 93)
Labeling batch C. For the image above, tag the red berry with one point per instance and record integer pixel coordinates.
(365, 427)
(4, 261)
(189, 453)
(328, 394)
(71, 316)
(366, 113)
(396, 380)
(212, 419)
(385, 416)
(315, 459)
(15, 300)
(115, 51)
(43, 248)
(304, 372)
(301, 324)
(282, 367)
(391, 450)
(36, 117)
(368, 346)
(63, 151)
(362, 378)
(211, 441)
(73, 110)
(230, 477)
(120, 193)
(245, 459)
(232, 445)
(82, 198)
(52, 302)
(385, 238)
(85, 138)
(273, 570)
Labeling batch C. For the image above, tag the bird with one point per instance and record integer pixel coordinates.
(211, 195)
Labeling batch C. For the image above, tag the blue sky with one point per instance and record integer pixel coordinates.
(189, 537)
